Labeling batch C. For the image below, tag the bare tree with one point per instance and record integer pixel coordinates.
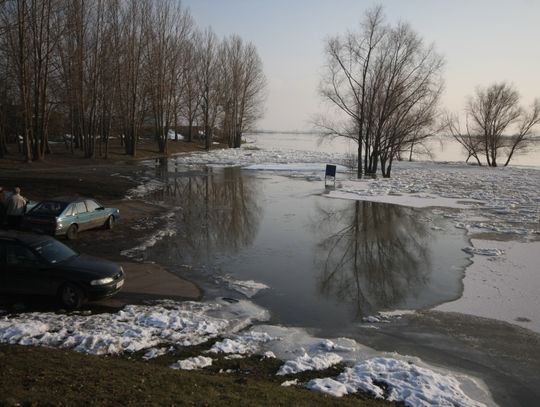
(209, 84)
(132, 41)
(493, 112)
(471, 143)
(243, 90)
(168, 32)
(385, 85)
(191, 98)
(495, 124)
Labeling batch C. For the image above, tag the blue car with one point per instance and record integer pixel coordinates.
(69, 216)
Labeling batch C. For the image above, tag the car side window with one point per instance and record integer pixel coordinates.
(17, 255)
(80, 207)
(91, 205)
(69, 211)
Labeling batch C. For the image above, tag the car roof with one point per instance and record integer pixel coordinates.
(30, 239)
(67, 199)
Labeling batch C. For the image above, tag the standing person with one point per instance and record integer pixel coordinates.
(15, 209)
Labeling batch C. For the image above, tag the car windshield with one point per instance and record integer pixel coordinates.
(48, 208)
(54, 251)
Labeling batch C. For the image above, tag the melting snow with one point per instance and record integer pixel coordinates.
(328, 386)
(132, 329)
(193, 363)
(399, 380)
(306, 362)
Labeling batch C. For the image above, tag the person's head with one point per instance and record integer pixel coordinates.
(17, 190)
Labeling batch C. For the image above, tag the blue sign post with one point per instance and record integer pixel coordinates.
(330, 172)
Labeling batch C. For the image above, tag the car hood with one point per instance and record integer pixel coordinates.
(92, 266)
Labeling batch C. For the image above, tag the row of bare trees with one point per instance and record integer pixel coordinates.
(94, 69)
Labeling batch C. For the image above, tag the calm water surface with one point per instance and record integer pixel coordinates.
(328, 262)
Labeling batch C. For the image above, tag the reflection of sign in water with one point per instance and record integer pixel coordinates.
(373, 255)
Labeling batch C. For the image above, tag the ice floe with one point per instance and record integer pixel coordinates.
(246, 287)
(483, 251)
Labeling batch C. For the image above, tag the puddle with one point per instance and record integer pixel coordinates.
(327, 262)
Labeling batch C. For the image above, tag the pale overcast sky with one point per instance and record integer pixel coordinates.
(483, 41)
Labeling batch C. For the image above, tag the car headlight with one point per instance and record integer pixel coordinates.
(102, 281)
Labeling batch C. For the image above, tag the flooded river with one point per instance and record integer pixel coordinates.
(330, 263)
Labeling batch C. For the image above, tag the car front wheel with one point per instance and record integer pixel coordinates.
(71, 296)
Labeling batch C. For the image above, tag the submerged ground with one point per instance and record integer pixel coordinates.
(169, 224)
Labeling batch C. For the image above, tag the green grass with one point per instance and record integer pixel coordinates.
(43, 376)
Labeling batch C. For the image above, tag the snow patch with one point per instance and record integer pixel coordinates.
(404, 381)
(132, 329)
(245, 343)
(328, 386)
(193, 363)
(306, 362)
(289, 383)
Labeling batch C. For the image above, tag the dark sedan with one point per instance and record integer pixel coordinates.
(33, 264)
(68, 216)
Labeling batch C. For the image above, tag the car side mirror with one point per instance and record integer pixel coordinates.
(101, 208)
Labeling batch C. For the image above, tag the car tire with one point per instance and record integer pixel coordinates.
(70, 296)
(72, 232)
(110, 222)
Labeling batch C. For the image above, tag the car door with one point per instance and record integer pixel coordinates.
(68, 217)
(25, 272)
(84, 218)
(96, 212)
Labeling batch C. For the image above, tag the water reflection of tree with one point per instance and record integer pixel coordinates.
(217, 210)
(378, 257)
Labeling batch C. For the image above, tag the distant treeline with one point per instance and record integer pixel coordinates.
(103, 68)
